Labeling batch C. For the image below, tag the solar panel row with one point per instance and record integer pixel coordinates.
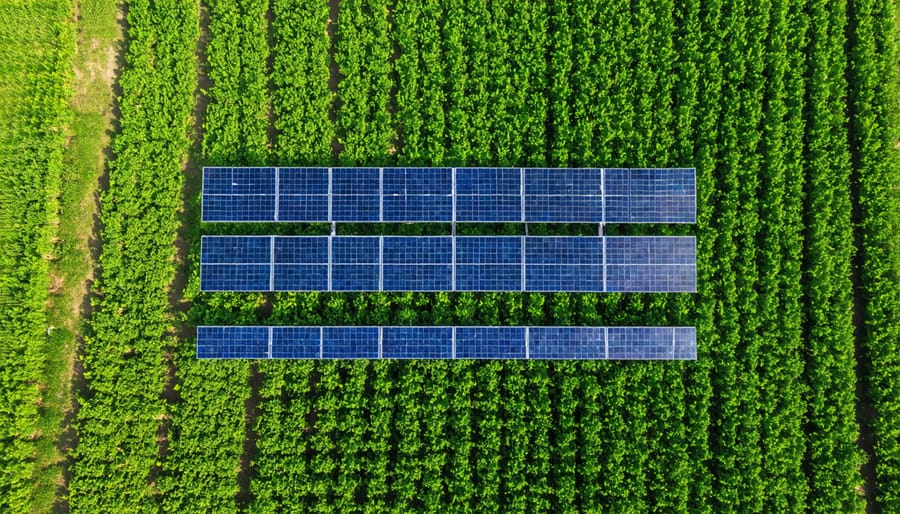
(448, 263)
(315, 342)
(534, 195)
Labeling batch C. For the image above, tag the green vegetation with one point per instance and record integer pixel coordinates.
(36, 49)
(787, 109)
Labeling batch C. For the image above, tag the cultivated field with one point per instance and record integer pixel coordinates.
(787, 109)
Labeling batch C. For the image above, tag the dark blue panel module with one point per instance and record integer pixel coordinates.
(238, 181)
(417, 250)
(490, 342)
(645, 343)
(418, 208)
(563, 181)
(488, 208)
(563, 209)
(489, 181)
(301, 277)
(354, 277)
(651, 250)
(417, 181)
(355, 250)
(566, 343)
(303, 181)
(563, 264)
(234, 277)
(489, 250)
(350, 342)
(417, 277)
(232, 342)
(685, 343)
(355, 181)
(416, 343)
(301, 250)
(489, 263)
(488, 277)
(296, 342)
(309, 208)
(651, 278)
(229, 208)
(650, 195)
(359, 208)
(235, 249)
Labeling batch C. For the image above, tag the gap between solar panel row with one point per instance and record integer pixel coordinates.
(448, 263)
(392, 342)
(527, 195)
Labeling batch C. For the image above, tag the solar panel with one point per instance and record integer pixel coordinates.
(296, 342)
(314, 342)
(417, 263)
(235, 263)
(417, 194)
(238, 194)
(417, 343)
(489, 195)
(650, 195)
(488, 263)
(651, 264)
(564, 264)
(355, 263)
(490, 342)
(349, 342)
(356, 194)
(442, 263)
(563, 195)
(549, 195)
(301, 264)
(302, 194)
(232, 342)
(566, 343)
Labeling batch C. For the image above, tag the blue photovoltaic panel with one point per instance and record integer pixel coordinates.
(234, 277)
(303, 181)
(416, 343)
(652, 343)
(629, 343)
(232, 342)
(651, 264)
(685, 343)
(301, 264)
(239, 181)
(564, 264)
(238, 194)
(488, 263)
(355, 194)
(296, 342)
(566, 343)
(417, 263)
(650, 195)
(489, 194)
(238, 208)
(355, 263)
(235, 263)
(350, 342)
(563, 195)
(417, 194)
(235, 249)
(490, 342)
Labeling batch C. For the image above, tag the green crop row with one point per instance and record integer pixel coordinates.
(36, 49)
(122, 411)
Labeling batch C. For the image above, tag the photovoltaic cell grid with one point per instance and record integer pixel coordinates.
(448, 263)
(551, 195)
(590, 343)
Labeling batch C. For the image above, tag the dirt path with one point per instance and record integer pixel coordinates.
(99, 56)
